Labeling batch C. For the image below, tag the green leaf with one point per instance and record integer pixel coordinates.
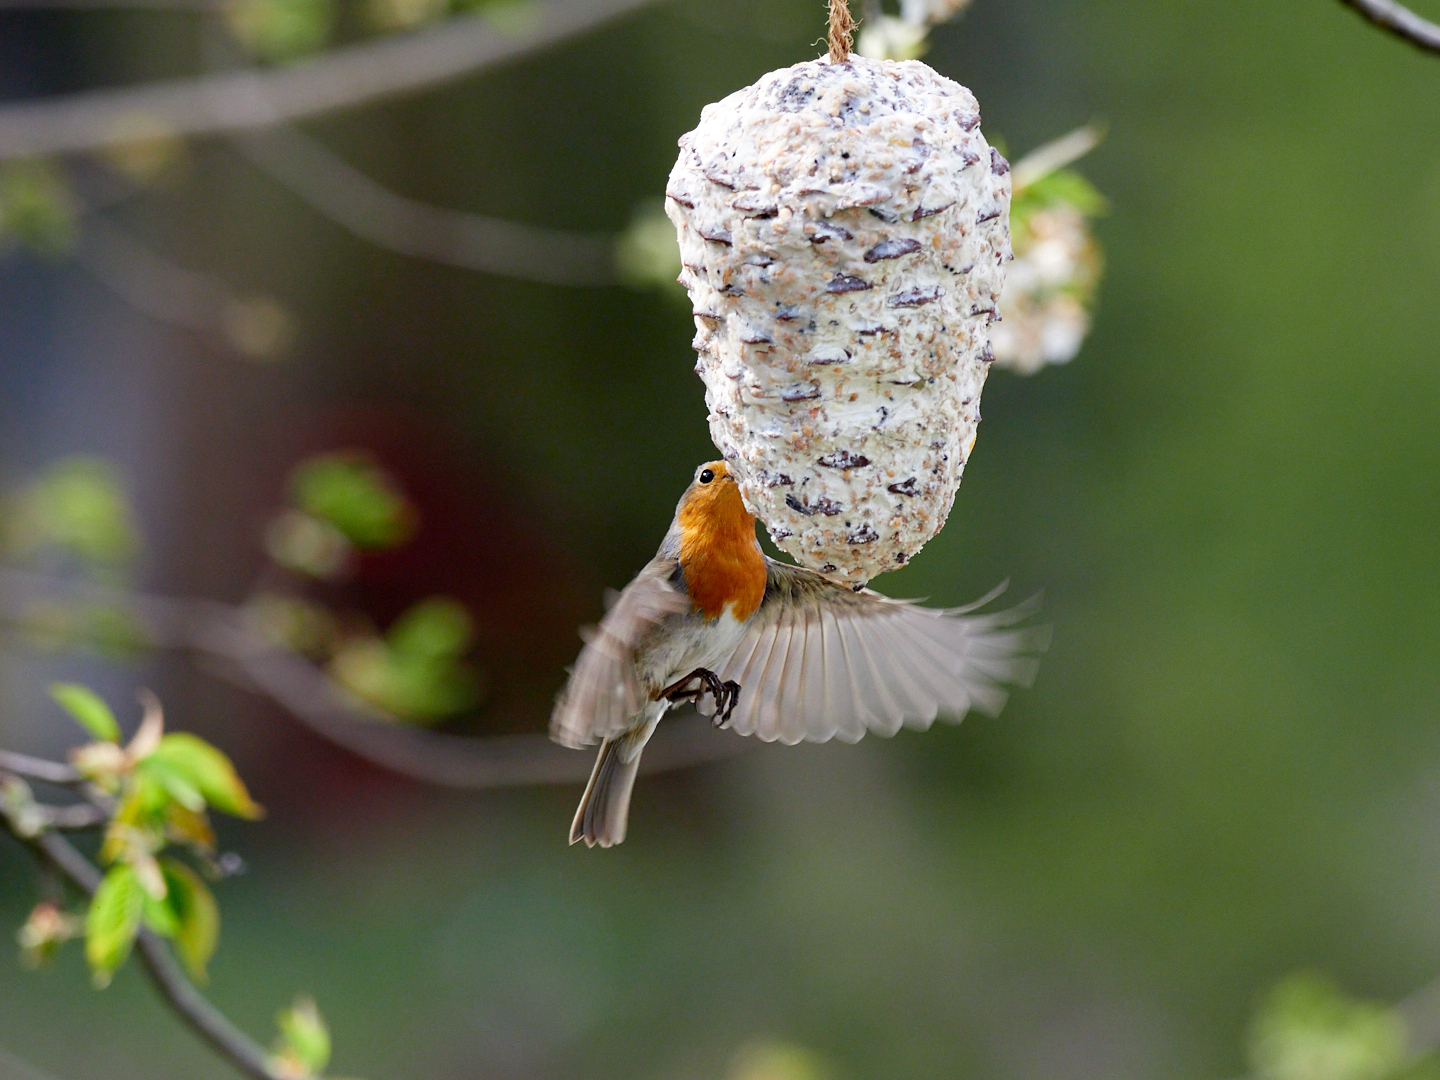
(160, 914)
(647, 254)
(36, 206)
(434, 629)
(78, 505)
(112, 921)
(415, 672)
(304, 1038)
(191, 760)
(88, 708)
(514, 18)
(281, 29)
(422, 689)
(1064, 187)
(190, 827)
(356, 496)
(778, 1061)
(1309, 1030)
(142, 810)
(176, 783)
(197, 917)
(308, 545)
(112, 631)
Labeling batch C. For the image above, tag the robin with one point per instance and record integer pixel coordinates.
(767, 649)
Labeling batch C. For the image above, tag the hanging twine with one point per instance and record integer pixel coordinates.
(842, 27)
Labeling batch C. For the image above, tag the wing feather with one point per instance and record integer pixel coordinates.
(739, 665)
(843, 700)
(787, 663)
(881, 707)
(757, 696)
(790, 729)
(814, 680)
(947, 674)
(604, 695)
(822, 662)
(903, 674)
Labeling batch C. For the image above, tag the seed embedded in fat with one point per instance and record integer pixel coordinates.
(845, 315)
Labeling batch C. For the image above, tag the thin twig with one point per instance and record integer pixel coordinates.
(259, 98)
(373, 212)
(77, 816)
(192, 1006)
(1400, 21)
(33, 768)
(842, 31)
(151, 284)
(1055, 155)
(224, 632)
(189, 6)
(256, 328)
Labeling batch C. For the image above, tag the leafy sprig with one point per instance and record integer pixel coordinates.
(152, 797)
(162, 786)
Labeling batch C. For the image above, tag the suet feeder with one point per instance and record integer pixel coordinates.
(844, 228)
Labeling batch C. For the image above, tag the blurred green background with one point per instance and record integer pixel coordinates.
(1229, 768)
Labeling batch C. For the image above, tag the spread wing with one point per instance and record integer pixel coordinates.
(604, 694)
(823, 662)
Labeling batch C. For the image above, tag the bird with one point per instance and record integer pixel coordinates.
(769, 649)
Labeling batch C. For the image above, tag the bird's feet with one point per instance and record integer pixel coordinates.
(725, 694)
(724, 708)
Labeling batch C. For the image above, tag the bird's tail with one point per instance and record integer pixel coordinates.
(605, 806)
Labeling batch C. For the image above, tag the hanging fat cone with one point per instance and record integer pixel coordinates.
(844, 228)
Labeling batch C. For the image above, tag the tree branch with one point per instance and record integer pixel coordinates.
(203, 1018)
(33, 768)
(1055, 155)
(193, 6)
(253, 328)
(390, 220)
(1400, 21)
(223, 632)
(76, 816)
(259, 98)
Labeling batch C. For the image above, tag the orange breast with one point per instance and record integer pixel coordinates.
(722, 563)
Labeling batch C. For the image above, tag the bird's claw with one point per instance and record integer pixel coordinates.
(732, 698)
(726, 695)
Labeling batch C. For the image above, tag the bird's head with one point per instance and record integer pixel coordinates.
(711, 506)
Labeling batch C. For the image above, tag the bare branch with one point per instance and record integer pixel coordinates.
(259, 98)
(222, 632)
(78, 816)
(196, 6)
(1400, 21)
(195, 1009)
(203, 1018)
(1055, 155)
(255, 328)
(373, 212)
(148, 283)
(33, 768)
(453, 760)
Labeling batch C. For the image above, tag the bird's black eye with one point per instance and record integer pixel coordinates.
(706, 475)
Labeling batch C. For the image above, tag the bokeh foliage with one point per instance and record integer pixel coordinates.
(1227, 770)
